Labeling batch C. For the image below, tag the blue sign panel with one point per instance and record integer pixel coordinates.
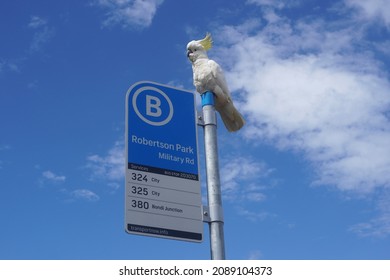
(163, 196)
(162, 133)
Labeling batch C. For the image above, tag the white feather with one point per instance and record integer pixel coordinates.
(208, 76)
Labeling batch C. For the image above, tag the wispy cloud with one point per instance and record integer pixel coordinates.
(255, 255)
(278, 4)
(5, 147)
(85, 194)
(36, 22)
(241, 178)
(10, 65)
(313, 87)
(373, 10)
(42, 33)
(378, 226)
(309, 89)
(109, 166)
(254, 216)
(129, 13)
(52, 177)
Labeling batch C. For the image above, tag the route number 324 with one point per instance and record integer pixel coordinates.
(139, 177)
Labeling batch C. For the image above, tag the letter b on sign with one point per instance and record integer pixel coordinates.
(152, 106)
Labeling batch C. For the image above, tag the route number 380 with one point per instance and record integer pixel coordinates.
(139, 204)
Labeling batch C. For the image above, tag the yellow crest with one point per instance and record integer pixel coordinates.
(207, 42)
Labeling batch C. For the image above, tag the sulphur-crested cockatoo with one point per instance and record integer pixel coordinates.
(208, 76)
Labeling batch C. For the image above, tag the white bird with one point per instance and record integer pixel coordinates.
(208, 76)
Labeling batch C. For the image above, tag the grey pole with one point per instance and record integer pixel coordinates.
(217, 240)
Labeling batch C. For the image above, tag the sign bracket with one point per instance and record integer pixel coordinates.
(206, 214)
(199, 119)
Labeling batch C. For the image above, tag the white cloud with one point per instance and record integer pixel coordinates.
(36, 22)
(255, 255)
(316, 88)
(50, 176)
(373, 10)
(85, 194)
(5, 147)
(10, 65)
(378, 226)
(42, 33)
(252, 215)
(278, 4)
(309, 88)
(110, 166)
(238, 175)
(41, 38)
(129, 13)
(78, 194)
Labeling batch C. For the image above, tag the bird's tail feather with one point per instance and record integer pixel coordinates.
(231, 118)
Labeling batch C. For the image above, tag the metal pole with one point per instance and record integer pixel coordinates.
(217, 240)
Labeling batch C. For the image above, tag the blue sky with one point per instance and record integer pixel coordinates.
(307, 178)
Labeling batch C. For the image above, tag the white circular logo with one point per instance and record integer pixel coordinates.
(152, 106)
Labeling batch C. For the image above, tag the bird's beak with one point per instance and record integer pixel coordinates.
(188, 53)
